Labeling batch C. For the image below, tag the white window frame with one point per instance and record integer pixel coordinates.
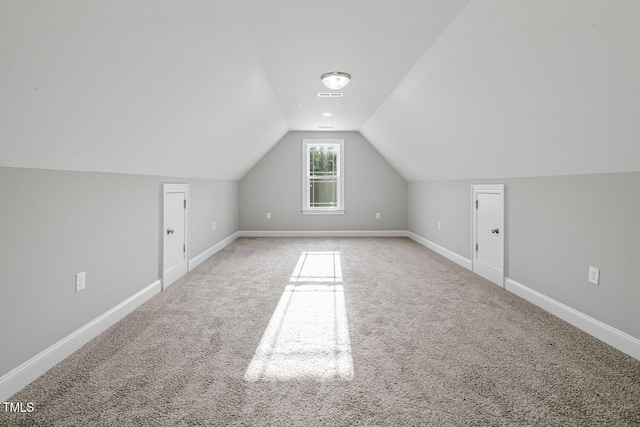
(306, 209)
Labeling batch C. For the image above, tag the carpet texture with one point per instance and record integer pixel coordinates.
(388, 333)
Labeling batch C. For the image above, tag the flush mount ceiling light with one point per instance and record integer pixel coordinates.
(327, 114)
(335, 79)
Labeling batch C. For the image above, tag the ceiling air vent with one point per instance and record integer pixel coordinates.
(325, 127)
(330, 95)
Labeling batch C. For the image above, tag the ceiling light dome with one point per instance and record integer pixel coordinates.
(335, 79)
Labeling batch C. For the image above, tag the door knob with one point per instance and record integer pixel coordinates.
(169, 231)
(495, 230)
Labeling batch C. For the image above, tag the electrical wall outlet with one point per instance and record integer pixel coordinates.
(594, 275)
(80, 281)
(439, 225)
(377, 215)
(268, 215)
(213, 226)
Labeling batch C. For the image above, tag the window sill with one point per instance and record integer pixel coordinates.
(323, 211)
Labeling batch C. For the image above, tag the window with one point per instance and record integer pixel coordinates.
(323, 176)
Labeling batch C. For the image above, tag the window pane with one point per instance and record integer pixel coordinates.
(323, 192)
(322, 161)
(323, 182)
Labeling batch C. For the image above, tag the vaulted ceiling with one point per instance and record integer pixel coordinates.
(441, 88)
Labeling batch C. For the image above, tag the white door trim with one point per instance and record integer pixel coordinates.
(170, 276)
(485, 270)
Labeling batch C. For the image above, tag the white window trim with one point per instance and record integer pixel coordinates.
(306, 210)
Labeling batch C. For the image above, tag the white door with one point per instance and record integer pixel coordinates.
(488, 232)
(175, 233)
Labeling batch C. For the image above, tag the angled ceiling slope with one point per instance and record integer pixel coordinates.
(514, 89)
(194, 89)
(145, 87)
(204, 89)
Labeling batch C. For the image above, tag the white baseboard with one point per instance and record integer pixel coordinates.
(612, 336)
(325, 233)
(199, 259)
(605, 333)
(458, 259)
(18, 378)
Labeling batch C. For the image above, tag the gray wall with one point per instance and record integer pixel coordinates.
(274, 185)
(211, 201)
(555, 228)
(56, 224)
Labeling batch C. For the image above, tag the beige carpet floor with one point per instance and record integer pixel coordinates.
(336, 332)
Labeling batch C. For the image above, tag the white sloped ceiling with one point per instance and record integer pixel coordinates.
(198, 88)
(144, 87)
(520, 88)
(442, 88)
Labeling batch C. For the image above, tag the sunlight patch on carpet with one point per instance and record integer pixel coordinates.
(308, 334)
(318, 267)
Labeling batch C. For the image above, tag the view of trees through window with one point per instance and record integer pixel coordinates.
(323, 176)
